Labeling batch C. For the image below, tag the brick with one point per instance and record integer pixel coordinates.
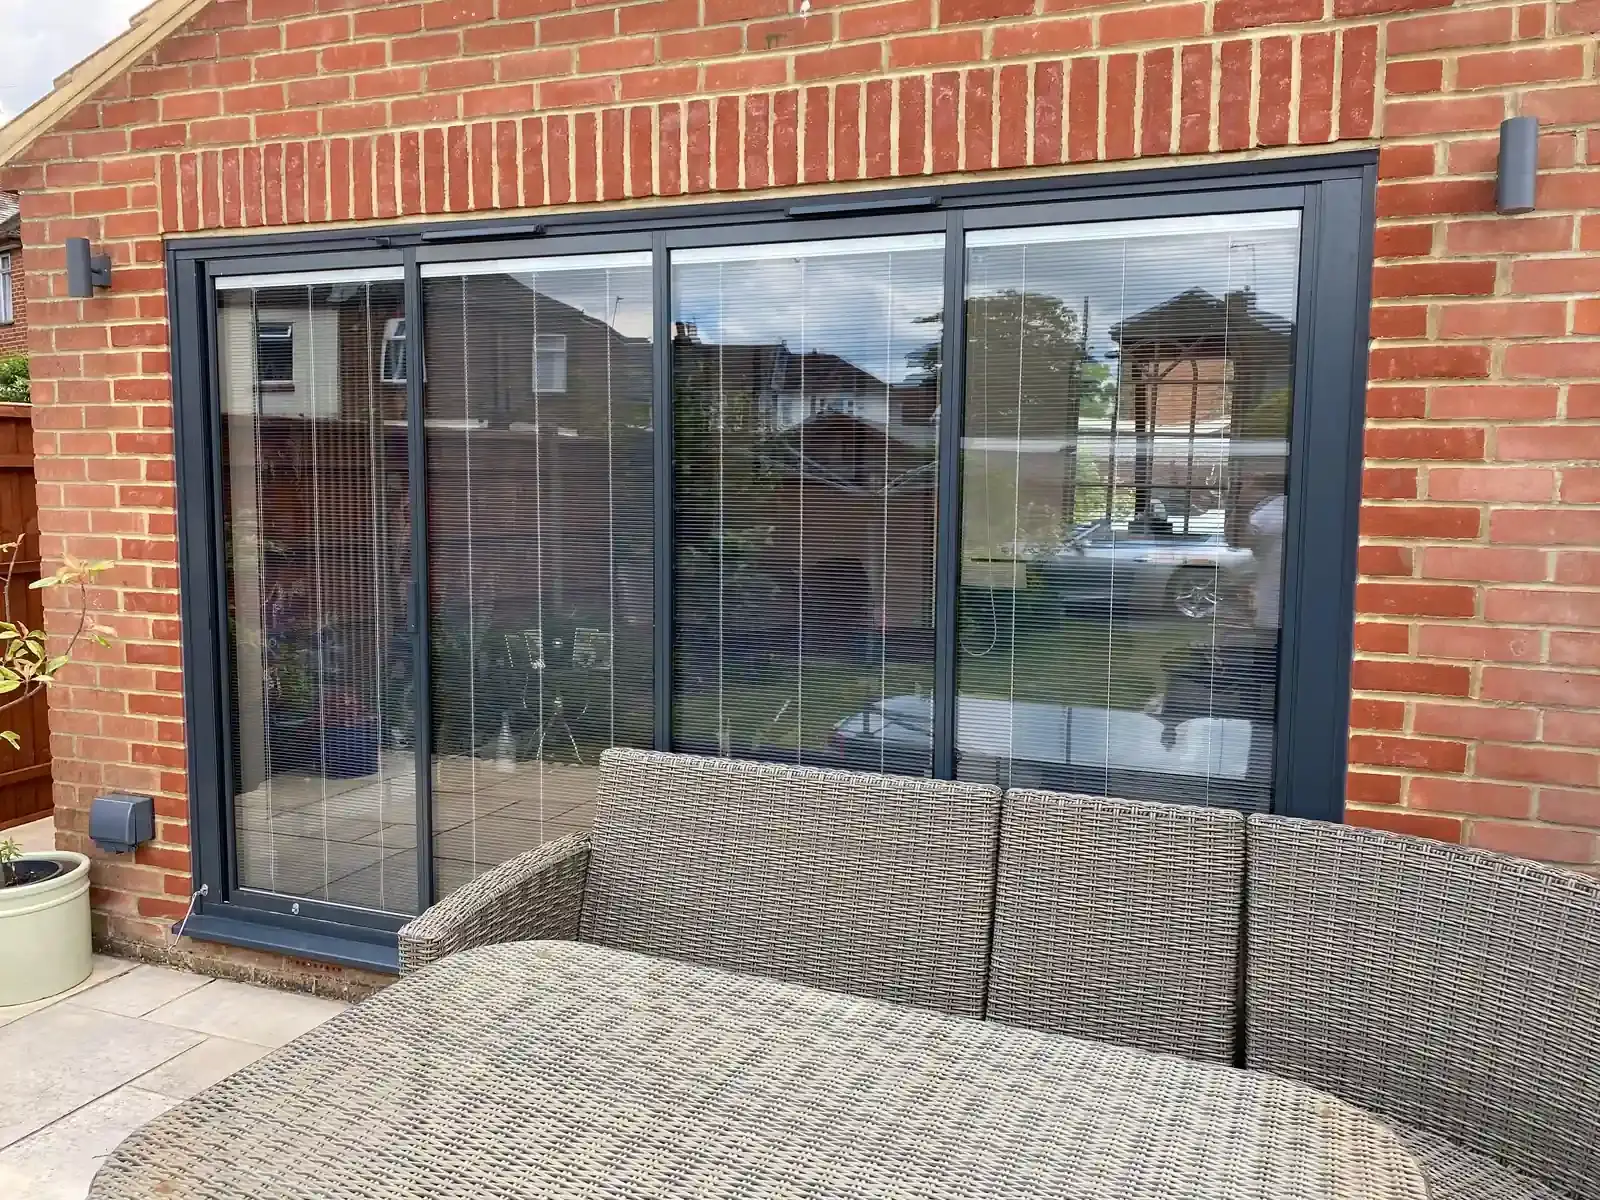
(1569, 808)
(1477, 643)
(1430, 362)
(1580, 570)
(1367, 787)
(1083, 109)
(1194, 103)
(946, 122)
(1366, 713)
(1434, 279)
(1509, 401)
(1430, 521)
(1485, 484)
(697, 147)
(1540, 606)
(862, 59)
(1487, 563)
(1121, 87)
(728, 140)
(1581, 485)
(1415, 118)
(1152, 23)
(878, 129)
(1364, 8)
(932, 49)
(658, 16)
(847, 127)
(1509, 235)
(1382, 637)
(1408, 442)
(1414, 824)
(1415, 600)
(1553, 360)
(1403, 241)
(1232, 15)
(756, 115)
(1059, 36)
(1389, 483)
(1538, 765)
(1358, 80)
(818, 133)
(1233, 105)
(1395, 403)
(1572, 729)
(1469, 27)
(1533, 276)
(669, 149)
(1384, 560)
(1155, 125)
(1534, 841)
(1411, 77)
(1274, 85)
(1471, 796)
(1421, 754)
(785, 138)
(1047, 112)
(1506, 68)
(1563, 106)
(955, 12)
(1012, 117)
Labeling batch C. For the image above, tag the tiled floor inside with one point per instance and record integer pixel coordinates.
(80, 1071)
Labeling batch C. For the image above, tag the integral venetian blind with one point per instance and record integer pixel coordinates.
(537, 403)
(805, 397)
(1124, 505)
(314, 481)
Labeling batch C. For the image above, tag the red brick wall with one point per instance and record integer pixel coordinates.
(1477, 709)
(14, 337)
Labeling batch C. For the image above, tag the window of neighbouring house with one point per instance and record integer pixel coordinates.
(550, 362)
(7, 313)
(275, 355)
(392, 367)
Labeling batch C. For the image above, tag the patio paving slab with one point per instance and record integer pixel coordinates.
(243, 1013)
(80, 1071)
(61, 1057)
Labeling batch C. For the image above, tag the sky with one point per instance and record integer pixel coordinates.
(45, 37)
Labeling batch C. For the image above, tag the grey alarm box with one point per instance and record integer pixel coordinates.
(118, 823)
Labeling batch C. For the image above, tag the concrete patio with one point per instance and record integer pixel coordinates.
(79, 1071)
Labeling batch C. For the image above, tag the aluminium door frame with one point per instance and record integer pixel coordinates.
(1334, 194)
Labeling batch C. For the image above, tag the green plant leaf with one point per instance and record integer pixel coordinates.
(11, 739)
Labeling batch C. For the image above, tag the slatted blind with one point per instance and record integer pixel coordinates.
(539, 466)
(1124, 470)
(805, 397)
(314, 483)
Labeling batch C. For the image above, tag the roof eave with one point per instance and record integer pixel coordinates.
(149, 28)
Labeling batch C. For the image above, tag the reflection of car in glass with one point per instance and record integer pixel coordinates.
(1146, 565)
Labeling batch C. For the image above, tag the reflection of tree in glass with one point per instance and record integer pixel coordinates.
(1025, 351)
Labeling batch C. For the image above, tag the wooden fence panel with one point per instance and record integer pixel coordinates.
(24, 773)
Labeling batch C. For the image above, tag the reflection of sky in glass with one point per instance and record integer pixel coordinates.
(626, 309)
(864, 308)
(866, 313)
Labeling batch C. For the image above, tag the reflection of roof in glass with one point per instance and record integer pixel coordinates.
(1195, 318)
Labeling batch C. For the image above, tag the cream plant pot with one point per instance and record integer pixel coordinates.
(45, 946)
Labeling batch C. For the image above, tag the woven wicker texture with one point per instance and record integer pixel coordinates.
(551, 1069)
(869, 884)
(1454, 1173)
(1119, 921)
(1452, 989)
(535, 895)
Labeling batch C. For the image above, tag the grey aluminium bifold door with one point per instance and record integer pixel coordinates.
(1049, 484)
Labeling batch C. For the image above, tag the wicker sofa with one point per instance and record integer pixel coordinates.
(1454, 992)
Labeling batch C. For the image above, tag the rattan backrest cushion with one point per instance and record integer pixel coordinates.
(873, 885)
(1119, 921)
(1451, 989)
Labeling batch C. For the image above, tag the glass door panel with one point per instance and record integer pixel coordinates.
(805, 400)
(1124, 471)
(314, 484)
(537, 406)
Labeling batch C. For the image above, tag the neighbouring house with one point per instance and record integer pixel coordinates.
(13, 297)
(1122, 397)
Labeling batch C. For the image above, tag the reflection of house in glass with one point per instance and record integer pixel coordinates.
(813, 433)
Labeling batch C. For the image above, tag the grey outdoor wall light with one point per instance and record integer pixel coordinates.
(1518, 172)
(86, 270)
